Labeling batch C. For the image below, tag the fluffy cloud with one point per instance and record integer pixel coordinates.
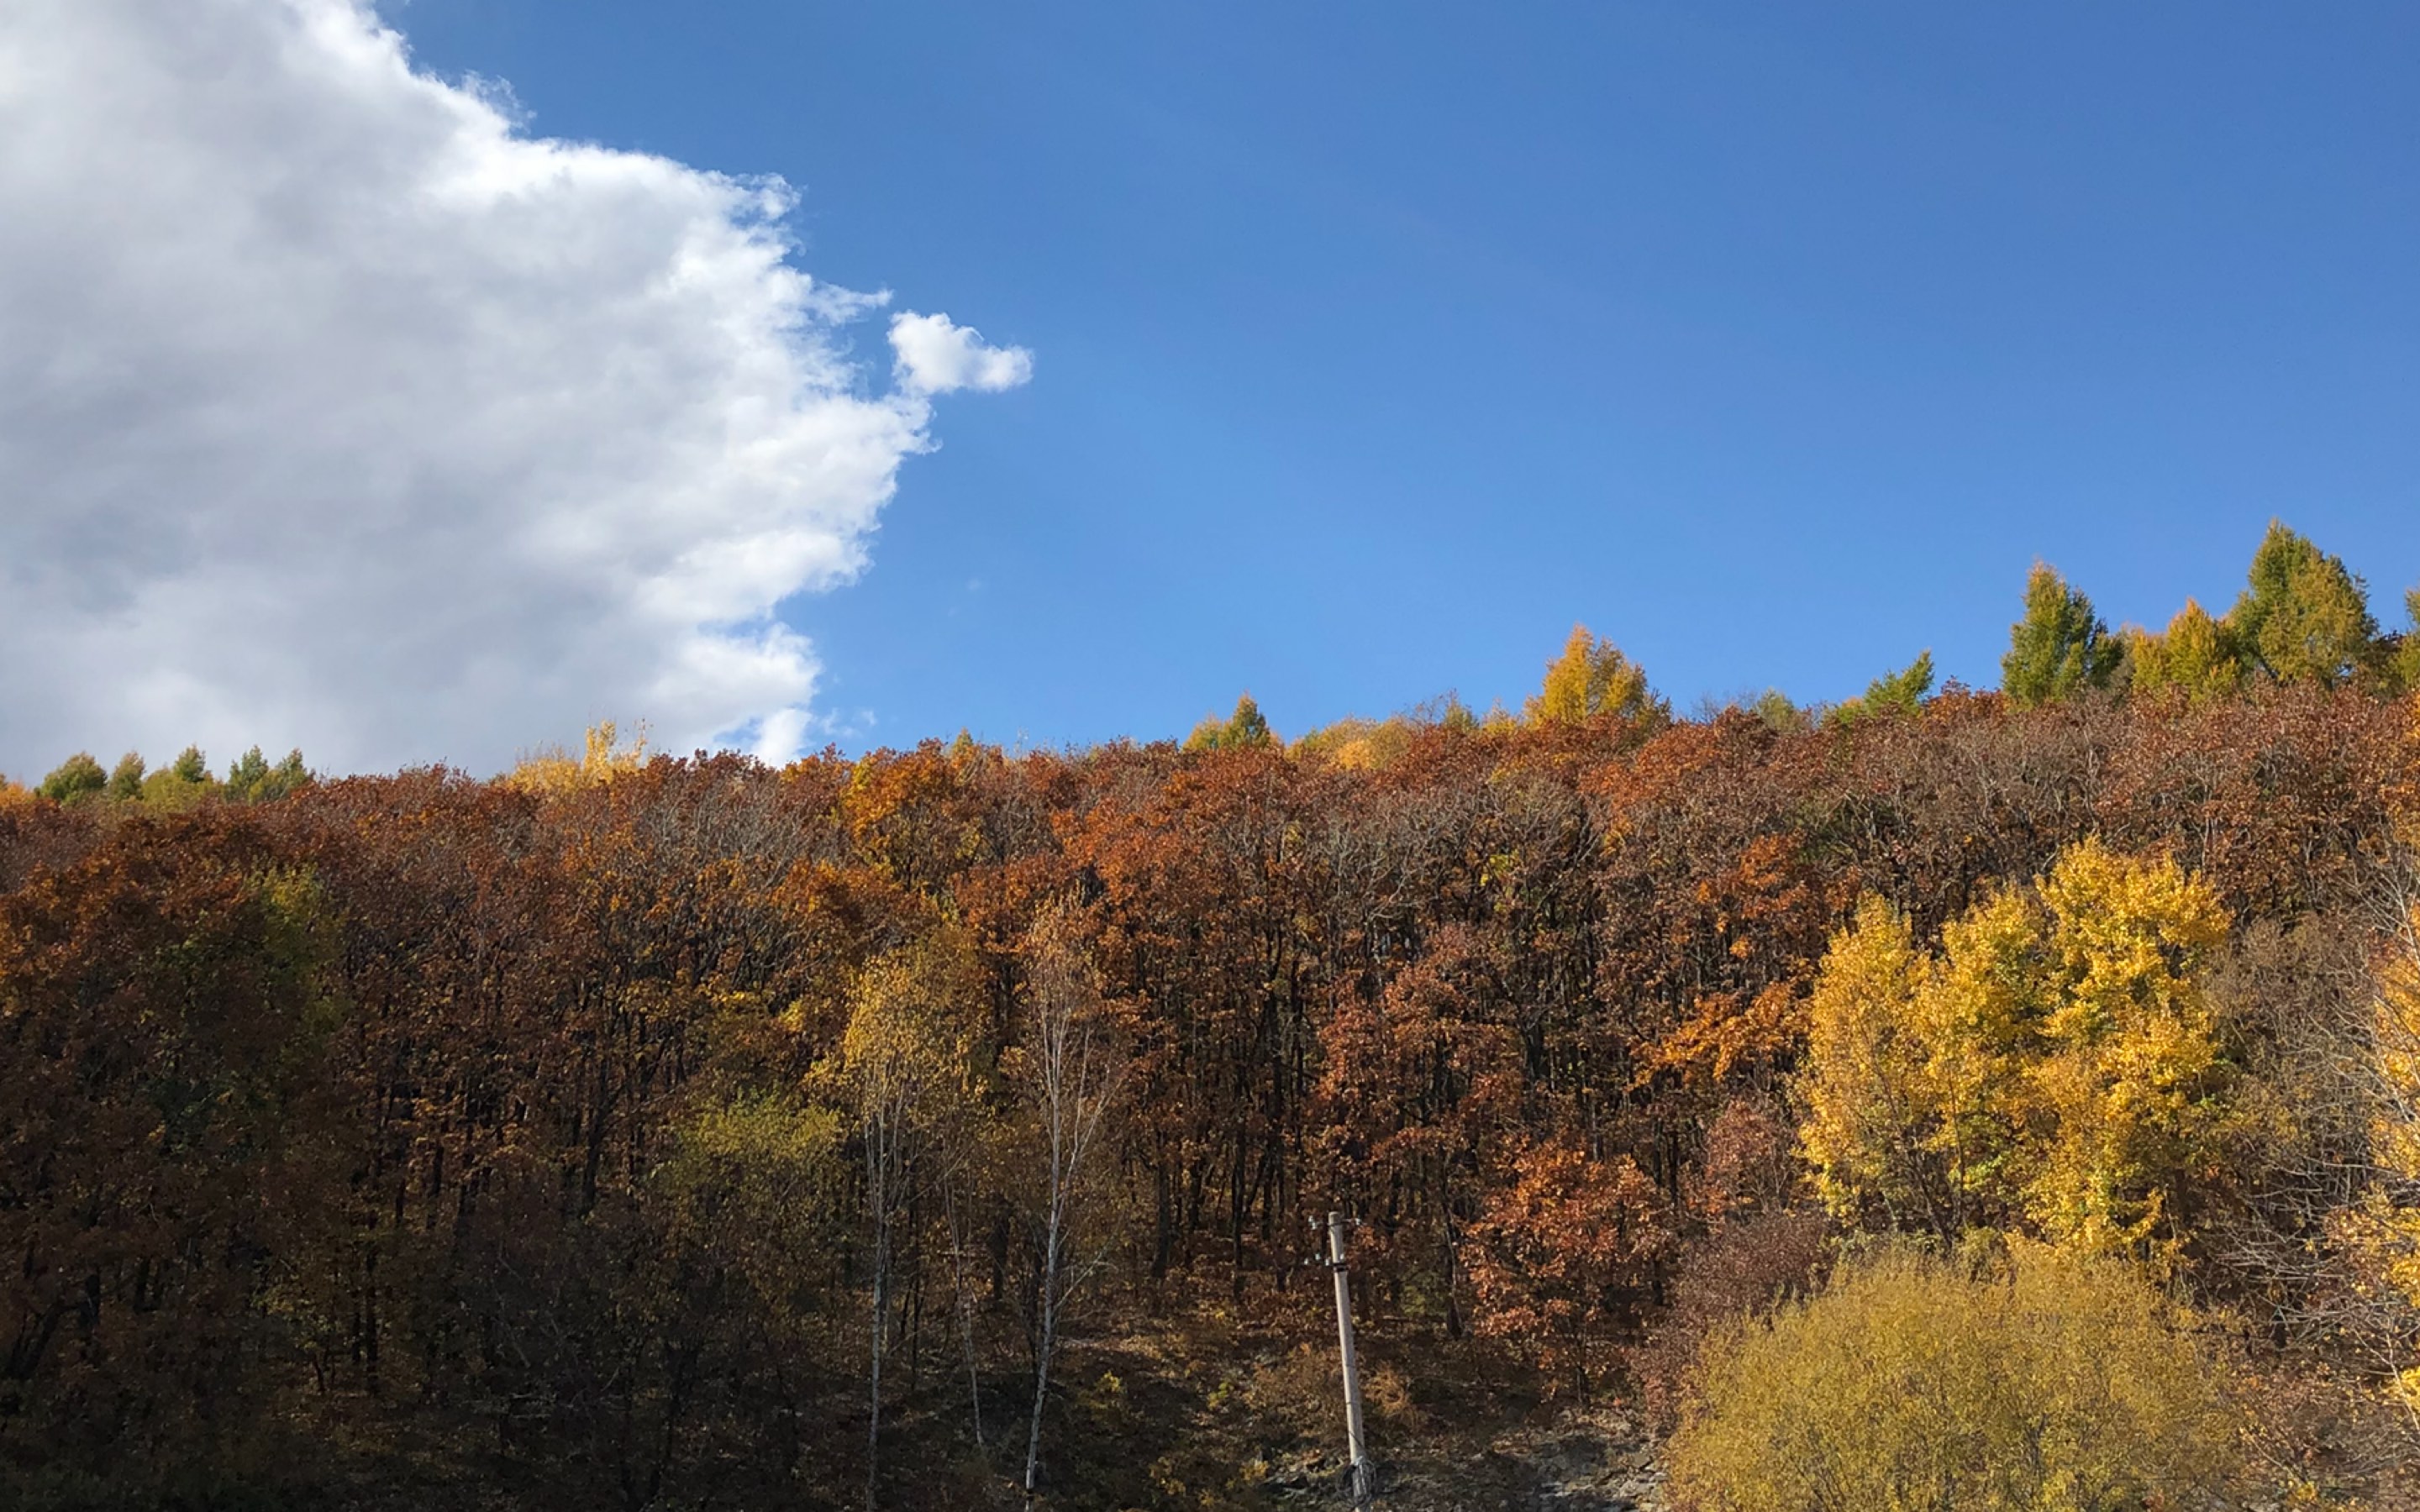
(936, 357)
(336, 411)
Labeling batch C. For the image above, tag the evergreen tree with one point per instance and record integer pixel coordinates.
(1241, 728)
(2061, 646)
(287, 775)
(1773, 707)
(1898, 692)
(1904, 689)
(245, 776)
(76, 777)
(182, 783)
(2303, 617)
(252, 779)
(126, 777)
(2196, 656)
(2403, 664)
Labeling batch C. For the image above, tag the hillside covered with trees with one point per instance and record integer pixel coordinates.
(1994, 1098)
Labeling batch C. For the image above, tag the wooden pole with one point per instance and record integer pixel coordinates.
(1355, 1437)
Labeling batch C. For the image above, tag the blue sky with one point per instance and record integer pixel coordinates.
(1376, 345)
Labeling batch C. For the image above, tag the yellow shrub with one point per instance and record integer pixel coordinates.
(2047, 1379)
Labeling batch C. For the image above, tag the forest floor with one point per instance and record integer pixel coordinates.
(1210, 1414)
(1222, 1417)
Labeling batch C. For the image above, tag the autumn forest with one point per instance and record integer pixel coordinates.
(2018, 1086)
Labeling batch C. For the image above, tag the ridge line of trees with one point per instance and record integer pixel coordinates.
(647, 1132)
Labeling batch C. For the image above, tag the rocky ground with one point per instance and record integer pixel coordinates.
(1587, 1460)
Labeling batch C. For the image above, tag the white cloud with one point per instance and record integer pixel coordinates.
(336, 411)
(937, 357)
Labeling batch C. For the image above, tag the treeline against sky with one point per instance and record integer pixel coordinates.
(589, 1135)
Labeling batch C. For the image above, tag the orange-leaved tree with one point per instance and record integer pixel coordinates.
(1560, 1254)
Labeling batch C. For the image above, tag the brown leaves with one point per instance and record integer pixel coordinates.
(483, 1100)
(1562, 1251)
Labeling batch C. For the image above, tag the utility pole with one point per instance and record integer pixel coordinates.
(1359, 1473)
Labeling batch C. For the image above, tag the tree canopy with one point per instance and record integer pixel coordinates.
(647, 1132)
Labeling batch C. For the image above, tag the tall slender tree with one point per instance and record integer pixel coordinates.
(1075, 1067)
(903, 1057)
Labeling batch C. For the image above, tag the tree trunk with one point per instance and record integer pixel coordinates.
(964, 1306)
(880, 1194)
(1042, 1356)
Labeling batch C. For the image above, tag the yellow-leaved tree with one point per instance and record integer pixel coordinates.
(2053, 1064)
(1589, 678)
(605, 753)
(2196, 657)
(907, 1070)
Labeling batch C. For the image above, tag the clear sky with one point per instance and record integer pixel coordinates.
(1377, 343)
(1372, 346)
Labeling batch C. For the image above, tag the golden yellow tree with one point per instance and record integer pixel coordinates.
(2403, 665)
(2196, 656)
(906, 1065)
(1589, 678)
(2129, 1076)
(604, 754)
(1865, 1086)
(2053, 1064)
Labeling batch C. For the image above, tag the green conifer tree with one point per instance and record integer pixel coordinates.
(1893, 693)
(2197, 656)
(1242, 728)
(126, 777)
(79, 777)
(246, 774)
(2303, 617)
(182, 783)
(2060, 647)
(252, 779)
(1779, 713)
(2403, 665)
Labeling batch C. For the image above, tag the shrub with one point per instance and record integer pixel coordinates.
(2040, 1379)
(1739, 1270)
